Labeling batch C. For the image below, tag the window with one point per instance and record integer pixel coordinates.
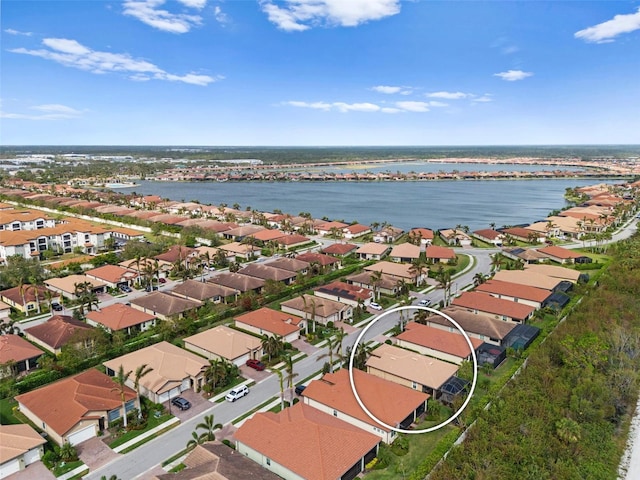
(335, 413)
(268, 461)
(414, 385)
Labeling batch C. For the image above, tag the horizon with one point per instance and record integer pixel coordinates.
(320, 74)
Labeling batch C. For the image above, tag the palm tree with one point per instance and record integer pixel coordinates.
(288, 368)
(360, 357)
(209, 426)
(376, 280)
(140, 372)
(495, 262)
(340, 336)
(121, 378)
(444, 282)
(215, 372)
(272, 345)
(479, 279)
(195, 440)
(418, 268)
(331, 345)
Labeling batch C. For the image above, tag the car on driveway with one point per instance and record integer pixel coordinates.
(181, 403)
(126, 289)
(236, 393)
(162, 280)
(256, 364)
(300, 389)
(375, 306)
(57, 307)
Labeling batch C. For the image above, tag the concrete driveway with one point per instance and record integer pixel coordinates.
(35, 471)
(95, 453)
(198, 405)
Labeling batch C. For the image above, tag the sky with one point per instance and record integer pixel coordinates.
(319, 72)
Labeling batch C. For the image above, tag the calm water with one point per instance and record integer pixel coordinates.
(435, 205)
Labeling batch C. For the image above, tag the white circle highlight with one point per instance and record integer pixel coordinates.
(473, 383)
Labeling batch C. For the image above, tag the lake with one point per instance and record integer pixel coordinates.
(435, 205)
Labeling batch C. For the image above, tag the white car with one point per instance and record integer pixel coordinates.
(424, 302)
(375, 306)
(236, 393)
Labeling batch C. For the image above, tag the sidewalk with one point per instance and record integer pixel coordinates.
(146, 435)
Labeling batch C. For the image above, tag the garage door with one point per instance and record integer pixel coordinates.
(82, 435)
(12, 466)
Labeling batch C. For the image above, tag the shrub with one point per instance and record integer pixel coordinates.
(50, 458)
(228, 443)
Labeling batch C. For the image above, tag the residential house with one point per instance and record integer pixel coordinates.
(173, 370)
(329, 228)
(555, 271)
(398, 271)
(343, 292)
(56, 332)
(332, 395)
(385, 284)
(27, 299)
(121, 317)
(161, 268)
(177, 253)
(526, 255)
(340, 249)
(564, 255)
(326, 448)
(66, 286)
(356, 230)
(317, 308)
(17, 355)
(324, 262)
(241, 250)
(405, 253)
(422, 236)
(450, 347)
(293, 241)
(524, 234)
(267, 235)
(266, 321)
(515, 292)
(114, 276)
(164, 306)
(489, 235)
(205, 291)
(455, 237)
(5, 311)
(530, 278)
(216, 461)
(387, 234)
(436, 254)
(76, 408)
(482, 327)
(500, 309)
(291, 264)
(225, 343)
(238, 234)
(238, 282)
(21, 446)
(372, 251)
(418, 372)
(268, 272)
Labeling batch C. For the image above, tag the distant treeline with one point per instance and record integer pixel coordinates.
(285, 155)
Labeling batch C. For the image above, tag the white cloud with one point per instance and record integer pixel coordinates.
(487, 97)
(438, 104)
(413, 106)
(607, 31)
(11, 31)
(50, 112)
(449, 95)
(220, 16)
(149, 12)
(513, 75)
(71, 53)
(300, 15)
(390, 90)
(356, 107)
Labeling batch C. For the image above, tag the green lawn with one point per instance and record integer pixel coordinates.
(152, 422)
(6, 412)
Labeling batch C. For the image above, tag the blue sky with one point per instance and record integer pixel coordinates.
(319, 72)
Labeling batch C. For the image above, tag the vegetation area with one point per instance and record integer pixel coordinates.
(567, 414)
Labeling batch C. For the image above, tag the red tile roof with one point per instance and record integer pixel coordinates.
(61, 405)
(57, 331)
(271, 321)
(112, 273)
(434, 251)
(559, 252)
(322, 260)
(452, 343)
(339, 248)
(497, 306)
(14, 348)
(515, 290)
(119, 316)
(310, 443)
(334, 390)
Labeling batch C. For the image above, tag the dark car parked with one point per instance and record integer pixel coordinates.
(57, 307)
(256, 364)
(300, 389)
(181, 403)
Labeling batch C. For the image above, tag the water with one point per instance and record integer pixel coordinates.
(435, 205)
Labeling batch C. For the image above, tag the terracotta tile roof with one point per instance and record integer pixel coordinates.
(515, 290)
(62, 404)
(57, 331)
(175, 253)
(17, 440)
(526, 254)
(559, 252)
(14, 294)
(323, 307)
(112, 273)
(405, 250)
(489, 233)
(372, 248)
(402, 363)
(119, 316)
(364, 278)
(290, 264)
(267, 234)
(434, 251)
(165, 304)
(170, 365)
(472, 323)
(14, 348)
(327, 226)
(554, 271)
(68, 284)
(273, 321)
(452, 343)
(423, 233)
(237, 281)
(244, 231)
(202, 290)
(339, 248)
(519, 232)
(325, 447)
(357, 228)
(527, 278)
(493, 305)
(267, 272)
(292, 239)
(225, 342)
(401, 270)
(319, 258)
(334, 390)
(239, 248)
(346, 290)
(10, 216)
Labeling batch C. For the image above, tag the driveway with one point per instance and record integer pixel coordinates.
(198, 405)
(95, 453)
(253, 374)
(304, 346)
(35, 471)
